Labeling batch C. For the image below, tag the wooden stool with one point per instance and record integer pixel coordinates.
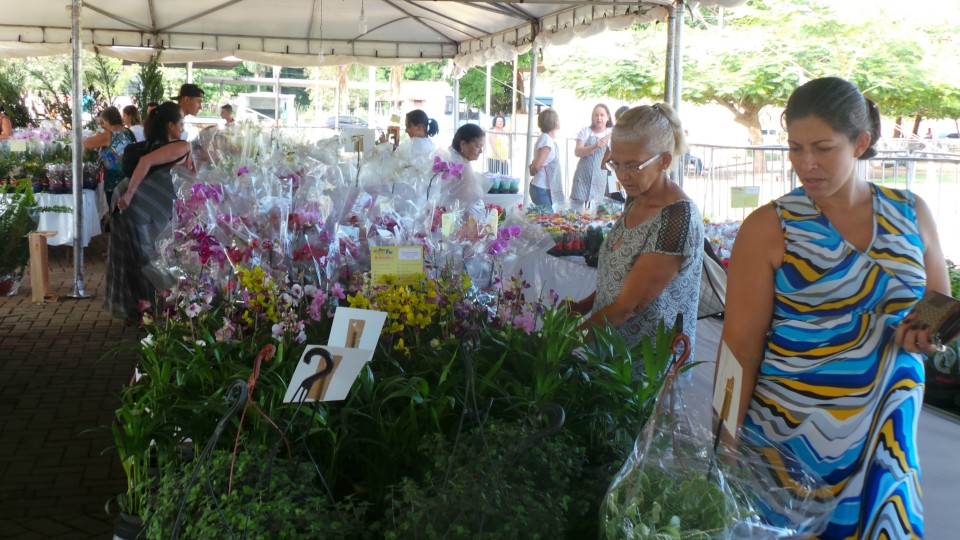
(40, 267)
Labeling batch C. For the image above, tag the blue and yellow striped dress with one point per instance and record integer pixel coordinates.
(833, 386)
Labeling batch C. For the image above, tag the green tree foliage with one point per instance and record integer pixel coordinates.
(473, 86)
(150, 82)
(12, 85)
(755, 55)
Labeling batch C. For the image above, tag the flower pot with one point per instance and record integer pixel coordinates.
(127, 527)
(9, 285)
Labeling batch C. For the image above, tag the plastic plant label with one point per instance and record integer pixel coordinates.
(447, 224)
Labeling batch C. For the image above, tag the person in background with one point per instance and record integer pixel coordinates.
(651, 260)
(613, 190)
(589, 180)
(929, 134)
(546, 186)
(690, 159)
(190, 100)
(226, 112)
(6, 125)
(498, 142)
(131, 119)
(111, 142)
(820, 287)
(150, 108)
(467, 193)
(420, 128)
(144, 206)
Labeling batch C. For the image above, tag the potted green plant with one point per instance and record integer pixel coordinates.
(18, 217)
(19, 214)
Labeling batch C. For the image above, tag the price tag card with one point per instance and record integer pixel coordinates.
(404, 262)
(447, 223)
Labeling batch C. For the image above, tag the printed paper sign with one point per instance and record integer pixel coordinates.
(744, 196)
(404, 262)
(17, 145)
(726, 389)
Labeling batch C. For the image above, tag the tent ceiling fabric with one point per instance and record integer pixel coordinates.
(292, 32)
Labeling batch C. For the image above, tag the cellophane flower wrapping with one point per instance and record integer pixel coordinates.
(674, 484)
(302, 212)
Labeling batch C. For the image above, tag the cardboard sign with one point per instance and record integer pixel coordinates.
(726, 389)
(353, 338)
(404, 262)
(744, 196)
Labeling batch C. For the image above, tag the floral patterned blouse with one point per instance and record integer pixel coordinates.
(676, 230)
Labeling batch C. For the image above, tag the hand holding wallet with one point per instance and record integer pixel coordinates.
(941, 314)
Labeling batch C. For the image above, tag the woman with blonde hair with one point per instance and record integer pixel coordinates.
(650, 262)
(546, 186)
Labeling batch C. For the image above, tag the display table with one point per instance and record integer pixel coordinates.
(567, 276)
(63, 223)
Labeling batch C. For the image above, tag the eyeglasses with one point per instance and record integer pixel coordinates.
(619, 168)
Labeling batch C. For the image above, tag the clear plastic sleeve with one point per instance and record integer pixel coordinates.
(678, 484)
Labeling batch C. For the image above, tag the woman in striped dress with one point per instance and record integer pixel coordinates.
(819, 291)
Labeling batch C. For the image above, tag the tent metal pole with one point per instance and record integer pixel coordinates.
(512, 127)
(679, 168)
(678, 55)
(76, 96)
(276, 96)
(489, 70)
(669, 79)
(456, 104)
(371, 96)
(530, 113)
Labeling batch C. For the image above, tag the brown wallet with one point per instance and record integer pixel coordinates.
(941, 314)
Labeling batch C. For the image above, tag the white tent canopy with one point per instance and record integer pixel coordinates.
(291, 33)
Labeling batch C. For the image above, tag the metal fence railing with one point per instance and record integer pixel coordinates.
(934, 175)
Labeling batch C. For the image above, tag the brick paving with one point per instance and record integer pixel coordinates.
(57, 387)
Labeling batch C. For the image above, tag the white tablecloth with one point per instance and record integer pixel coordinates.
(567, 276)
(63, 223)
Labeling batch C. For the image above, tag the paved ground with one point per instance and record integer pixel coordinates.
(56, 388)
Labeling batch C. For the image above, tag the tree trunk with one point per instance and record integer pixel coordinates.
(898, 128)
(916, 124)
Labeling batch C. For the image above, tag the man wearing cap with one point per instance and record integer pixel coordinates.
(190, 101)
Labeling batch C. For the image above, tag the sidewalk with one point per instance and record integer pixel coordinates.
(55, 390)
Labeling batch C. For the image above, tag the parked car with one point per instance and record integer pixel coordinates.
(347, 121)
